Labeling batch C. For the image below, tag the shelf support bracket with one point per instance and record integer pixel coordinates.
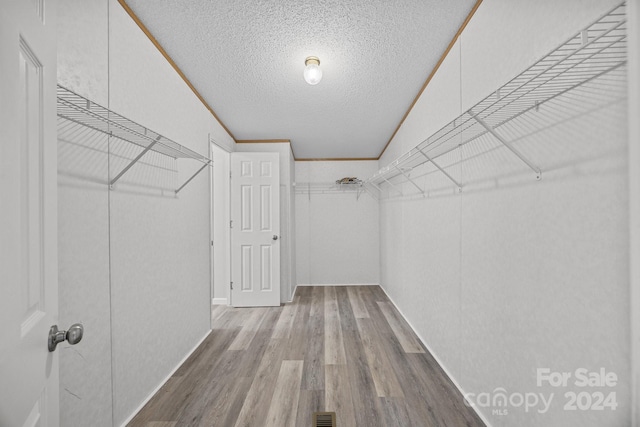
(440, 169)
(410, 180)
(393, 186)
(506, 143)
(371, 192)
(376, 187)
(134, 161)
(193, 176)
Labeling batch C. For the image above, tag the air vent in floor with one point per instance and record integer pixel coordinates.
(324, 419)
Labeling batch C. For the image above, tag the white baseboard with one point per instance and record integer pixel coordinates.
(219, 301)
(173, 371)
(435, 356)
(338, 284)
(293, 295)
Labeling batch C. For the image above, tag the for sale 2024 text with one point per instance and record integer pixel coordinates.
(597, 395)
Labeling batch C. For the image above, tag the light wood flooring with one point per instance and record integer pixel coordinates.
(340, 349)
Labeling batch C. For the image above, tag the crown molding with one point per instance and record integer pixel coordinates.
(337, 159)
(262, 141)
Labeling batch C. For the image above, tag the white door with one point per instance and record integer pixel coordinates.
(255, 229)
(28, 213)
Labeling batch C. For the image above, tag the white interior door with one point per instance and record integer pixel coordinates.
(255, 229)
(28, 213)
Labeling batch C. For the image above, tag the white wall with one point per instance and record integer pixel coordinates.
(286, 215)
(337, 235)
(512, 274)
(135, 258)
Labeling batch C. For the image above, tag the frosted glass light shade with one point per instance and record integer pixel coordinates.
(312, 71)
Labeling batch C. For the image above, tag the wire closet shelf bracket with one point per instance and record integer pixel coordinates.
(593, 52)
(80, 110)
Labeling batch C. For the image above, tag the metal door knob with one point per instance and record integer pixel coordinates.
(275, 237)
(73, 335)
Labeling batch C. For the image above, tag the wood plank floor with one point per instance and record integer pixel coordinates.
(333, 349)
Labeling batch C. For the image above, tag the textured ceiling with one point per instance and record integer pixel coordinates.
(246, 58)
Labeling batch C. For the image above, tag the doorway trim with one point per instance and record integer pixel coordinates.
(633, 28)
(217, 243)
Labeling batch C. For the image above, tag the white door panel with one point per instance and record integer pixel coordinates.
(255, 231)
(28, 216)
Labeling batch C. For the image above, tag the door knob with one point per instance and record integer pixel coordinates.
(275, 237)
(73, 335)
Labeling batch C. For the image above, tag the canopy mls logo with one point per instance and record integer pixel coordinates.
(500, 401)
(594, 393)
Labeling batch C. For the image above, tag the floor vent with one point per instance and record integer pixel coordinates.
(324, 419)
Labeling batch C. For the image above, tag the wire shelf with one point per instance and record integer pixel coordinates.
(80, 110)
(326, 187)
(592, 53)
(359, 187)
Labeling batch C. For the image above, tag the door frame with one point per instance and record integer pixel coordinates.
(633, 52)
(215, 244)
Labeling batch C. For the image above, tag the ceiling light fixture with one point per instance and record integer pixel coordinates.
(312, 71)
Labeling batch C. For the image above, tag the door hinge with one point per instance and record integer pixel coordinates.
(212, 243)
(231, 285)
(231, 224)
